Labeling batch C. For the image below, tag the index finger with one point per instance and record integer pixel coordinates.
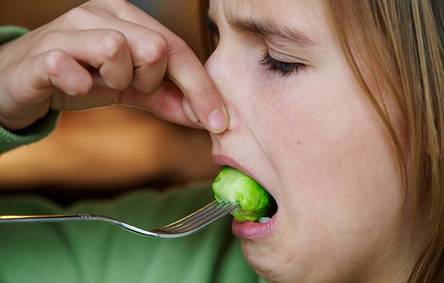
(185, 70)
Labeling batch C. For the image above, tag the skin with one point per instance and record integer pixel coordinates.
(316, 144)
(102, 53)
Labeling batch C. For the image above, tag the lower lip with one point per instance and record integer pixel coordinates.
(253, 230)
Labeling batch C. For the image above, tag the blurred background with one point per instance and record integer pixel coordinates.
(106, 151)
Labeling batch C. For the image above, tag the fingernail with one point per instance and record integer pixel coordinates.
(217, 121)
(189, 112)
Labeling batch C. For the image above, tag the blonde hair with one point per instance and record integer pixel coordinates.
(401, 42)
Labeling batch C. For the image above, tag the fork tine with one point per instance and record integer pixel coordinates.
(202, 219)
(207, 208)
(193, 227)
(195, 217)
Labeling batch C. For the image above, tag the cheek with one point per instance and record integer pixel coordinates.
(336, 168)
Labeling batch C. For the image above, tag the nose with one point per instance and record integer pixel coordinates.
(217, 69)
(222, 72)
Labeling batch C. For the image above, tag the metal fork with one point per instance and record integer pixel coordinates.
(180, 228)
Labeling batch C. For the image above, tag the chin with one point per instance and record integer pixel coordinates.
(266, 260)
(277, 258)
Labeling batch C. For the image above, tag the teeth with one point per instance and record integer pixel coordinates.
(264, 219)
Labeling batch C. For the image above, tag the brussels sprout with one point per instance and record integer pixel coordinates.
(233, 186)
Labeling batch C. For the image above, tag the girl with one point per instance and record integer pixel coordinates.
(336, 108)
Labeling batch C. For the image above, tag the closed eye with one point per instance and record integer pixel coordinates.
(282, 68)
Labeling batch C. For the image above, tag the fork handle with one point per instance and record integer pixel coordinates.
(34, 218)
(45, 218)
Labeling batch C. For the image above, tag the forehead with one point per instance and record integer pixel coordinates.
(305, 15)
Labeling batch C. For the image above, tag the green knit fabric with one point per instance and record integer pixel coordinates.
(8, 33)
(99, 252)
(41, 128)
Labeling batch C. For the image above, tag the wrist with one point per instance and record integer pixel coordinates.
(23, 118)
(14, 124)
(7, 35)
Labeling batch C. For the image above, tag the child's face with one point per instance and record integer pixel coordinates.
(312, 139)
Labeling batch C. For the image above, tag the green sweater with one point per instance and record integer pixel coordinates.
(99, 252)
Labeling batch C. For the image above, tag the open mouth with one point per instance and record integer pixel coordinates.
(256, 215)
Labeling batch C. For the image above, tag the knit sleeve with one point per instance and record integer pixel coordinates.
(8, 33)
(40, 129)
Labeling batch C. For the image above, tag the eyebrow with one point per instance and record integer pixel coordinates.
(266, 27)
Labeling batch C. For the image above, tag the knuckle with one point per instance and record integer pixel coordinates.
(113, 42)
(53, 61)
(154, 50)
(178, 45)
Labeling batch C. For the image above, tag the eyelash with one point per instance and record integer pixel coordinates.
(282, 68)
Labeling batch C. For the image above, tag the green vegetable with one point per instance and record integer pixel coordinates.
(233, 186)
